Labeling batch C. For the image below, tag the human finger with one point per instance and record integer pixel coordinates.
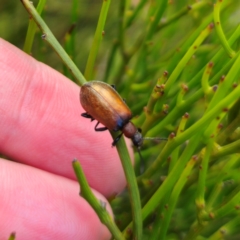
(42, 127)
(40, 205)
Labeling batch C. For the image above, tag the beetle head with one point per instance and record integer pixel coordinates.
(137, 139)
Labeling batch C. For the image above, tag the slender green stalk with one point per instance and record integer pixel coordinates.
(173, 77)
(32, 27)
(215, 59)
(203, 174)
(231, 206)
(230, 148)
(98, 206)
(220, 55)
(111, 60)
(177, 112)
(135, 13)
(227, 133)
(132, 189)
(195, 231)
(157, 92)
(205, 79)
(74, 12)
(175, 74)
(175, 153)
(224, 87)
(121, 32)
(185, 105)
(216, 192)
(97, 40)
(226, 230)
(219, 30)
(49, 37)
(69, 43)
(181, 94)
(226, 84)
(201, 186)
(170, 180)
(182, 12)
(174, 198)
(154, 20)
(143, 43)
(223, 104)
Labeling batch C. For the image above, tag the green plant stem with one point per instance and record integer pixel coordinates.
(185, 105)
(71, 33)
(215, 59)
(97, 40)
(121, 35)
(49, 37)
(175, 153)
(154, 20)
(223, 104)
(32, 27)
(205, 78)
(173, 77)
(232, 205)
(143, 42)
(219, 30)
(189, 41)
(195, 231)
(111, 60)
(171, 178)
(98, 206)
(175, 74)
(226, 85)
(177, 112)
(157, 91)
(227, 149)
(174, 197)
(227, 132)
(135, 13)
(182, 12)
(223, 89)
(132, 189)
(201, 185)
(203, 173)
(215, 193)
(227, 229)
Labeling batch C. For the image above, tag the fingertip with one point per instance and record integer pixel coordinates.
(39, 205)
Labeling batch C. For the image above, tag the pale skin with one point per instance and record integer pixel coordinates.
(42, 132)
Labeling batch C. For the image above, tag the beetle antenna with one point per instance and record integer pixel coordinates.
(141, 161)
(155, 138)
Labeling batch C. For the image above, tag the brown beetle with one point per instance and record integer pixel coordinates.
(103, 103)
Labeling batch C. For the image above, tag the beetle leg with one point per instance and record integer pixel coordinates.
(86, 115)
(116, 139)
(100, 129)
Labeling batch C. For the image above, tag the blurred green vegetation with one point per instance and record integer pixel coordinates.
(57, 14)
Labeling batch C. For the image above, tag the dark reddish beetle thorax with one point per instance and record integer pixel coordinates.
(130, 131)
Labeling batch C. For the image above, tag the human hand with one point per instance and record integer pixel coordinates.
(42, 130)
